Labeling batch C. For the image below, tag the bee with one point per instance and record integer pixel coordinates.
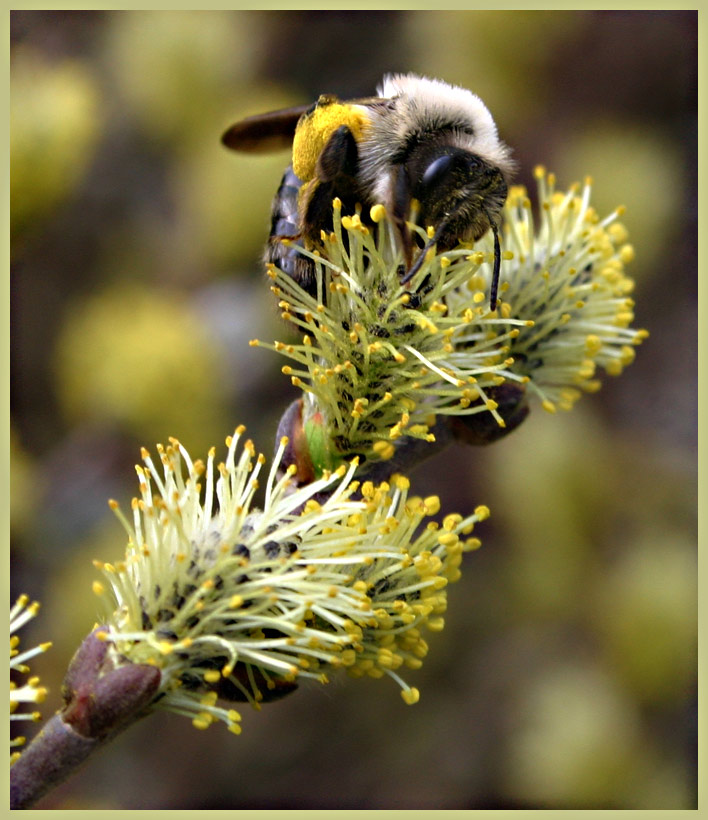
(419, 141)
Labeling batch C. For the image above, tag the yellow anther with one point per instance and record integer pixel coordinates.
(410, 696)
(377, 213)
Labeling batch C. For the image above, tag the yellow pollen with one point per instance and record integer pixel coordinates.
(482, 512)
(410, 696)
(384, 450)
(626, 253)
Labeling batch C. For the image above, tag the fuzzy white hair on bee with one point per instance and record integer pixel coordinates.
(426, 108)
(427, 103)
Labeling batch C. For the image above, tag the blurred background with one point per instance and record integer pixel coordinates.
(566, 674)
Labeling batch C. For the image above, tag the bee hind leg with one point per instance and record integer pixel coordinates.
(337, 168)
(340, 157)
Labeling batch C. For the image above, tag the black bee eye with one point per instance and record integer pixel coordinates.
(437, 170)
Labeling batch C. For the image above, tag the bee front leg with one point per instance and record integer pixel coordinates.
(401, 208)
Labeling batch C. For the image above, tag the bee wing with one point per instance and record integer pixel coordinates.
(274, 130)
(264, 133)
(371, 102)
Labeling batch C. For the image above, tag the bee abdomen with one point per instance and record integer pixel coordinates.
(284, 211)
(285, 224)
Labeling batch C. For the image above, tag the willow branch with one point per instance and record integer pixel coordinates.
(99, 703)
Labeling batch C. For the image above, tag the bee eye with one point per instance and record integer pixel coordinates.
(436, 171)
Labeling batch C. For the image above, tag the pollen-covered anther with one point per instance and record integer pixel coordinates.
(448, 539)
(377, 213)
(410, 696)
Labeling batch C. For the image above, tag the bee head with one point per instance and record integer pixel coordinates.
(457, 188)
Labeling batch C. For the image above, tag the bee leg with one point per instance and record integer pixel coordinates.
(340, 157)
(337, 168)
(421, 256)
(401, 207)
(496, 268)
